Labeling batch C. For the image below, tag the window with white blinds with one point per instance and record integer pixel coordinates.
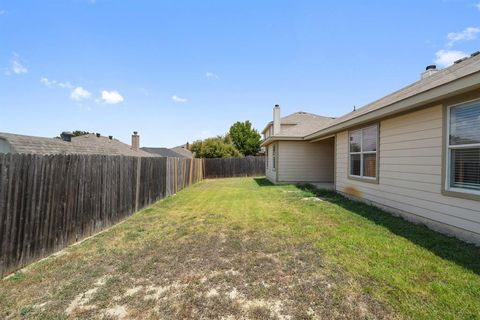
(463, 169)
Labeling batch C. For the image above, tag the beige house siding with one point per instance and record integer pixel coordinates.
(269, 171)
(301, 161)
(410, 175)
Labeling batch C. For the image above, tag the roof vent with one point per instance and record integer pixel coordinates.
(98, 135)
(460, 60)
(476, 53)
(67, 136)
(110, 137)
(429, 70)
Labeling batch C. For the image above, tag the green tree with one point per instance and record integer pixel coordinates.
(217, 147)
(245, 138)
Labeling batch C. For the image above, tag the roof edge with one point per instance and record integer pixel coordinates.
(271, 139)
(458, 86)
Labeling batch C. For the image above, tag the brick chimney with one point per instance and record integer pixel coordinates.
(135, 141)
(276, 120)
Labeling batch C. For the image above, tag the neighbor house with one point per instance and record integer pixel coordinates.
(415, 152)
(85, 144)
(176, 152)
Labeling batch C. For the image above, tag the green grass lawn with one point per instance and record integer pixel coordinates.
(245, 249)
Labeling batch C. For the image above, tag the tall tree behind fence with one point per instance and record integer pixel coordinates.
(49, 202)
(234, 167)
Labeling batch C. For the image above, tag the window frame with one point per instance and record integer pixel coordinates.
(447, 188)
(274, 157)
(361, 177)
(267, 157)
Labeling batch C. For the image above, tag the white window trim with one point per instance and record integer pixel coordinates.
(274, 157)
(267, 156)
(448, 155)
(361, 176)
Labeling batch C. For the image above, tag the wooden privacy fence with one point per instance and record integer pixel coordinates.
(234, 167)
(50, 201)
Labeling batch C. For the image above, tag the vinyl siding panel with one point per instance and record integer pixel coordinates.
(410, 173)
(300, 161)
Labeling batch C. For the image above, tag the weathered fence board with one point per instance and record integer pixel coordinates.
(50, 201)
(234, 167)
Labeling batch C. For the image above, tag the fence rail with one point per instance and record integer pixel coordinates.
(50, 201)
(234, 167)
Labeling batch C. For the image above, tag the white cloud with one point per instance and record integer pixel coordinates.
(79, 94)
(54, 83)
(211, 75)
(111, 97)
(469, 33)
(179, 100)
(445, 58)
(16, 66)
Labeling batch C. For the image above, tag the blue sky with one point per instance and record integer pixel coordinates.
(177, 71)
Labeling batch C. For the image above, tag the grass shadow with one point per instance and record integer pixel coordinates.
(449, 248)
(263, 182)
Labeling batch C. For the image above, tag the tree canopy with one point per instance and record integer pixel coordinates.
(245, 138)
(217, 147)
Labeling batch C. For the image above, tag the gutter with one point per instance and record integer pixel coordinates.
(271, 139)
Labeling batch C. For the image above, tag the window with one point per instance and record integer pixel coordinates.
(268, 159)
(274, 155)
(363, 152)
(463, 148)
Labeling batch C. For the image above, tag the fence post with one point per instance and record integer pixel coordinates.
(137, 191)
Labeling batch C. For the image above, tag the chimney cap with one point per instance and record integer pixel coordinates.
(277, 106)
(110, 137)
(431, 67)
(66, 136)
(97, 134)
(135, 132)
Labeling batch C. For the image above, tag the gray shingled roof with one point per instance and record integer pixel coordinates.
(163, 152)
(183, 151)
(87, 144)
(302, 124)
(444, 76)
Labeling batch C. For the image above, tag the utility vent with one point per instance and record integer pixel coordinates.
(460, 60)
(429, 70)
(67, 136)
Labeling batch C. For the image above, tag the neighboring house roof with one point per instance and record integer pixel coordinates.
(183, 150)
(90, 143)
(163, 152)
(87, 144)
(462, 76)
(300, 124)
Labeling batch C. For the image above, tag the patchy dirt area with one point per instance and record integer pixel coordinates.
(233, 276)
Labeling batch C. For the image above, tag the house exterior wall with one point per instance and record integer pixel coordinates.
(302, 161)
(410, 175)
